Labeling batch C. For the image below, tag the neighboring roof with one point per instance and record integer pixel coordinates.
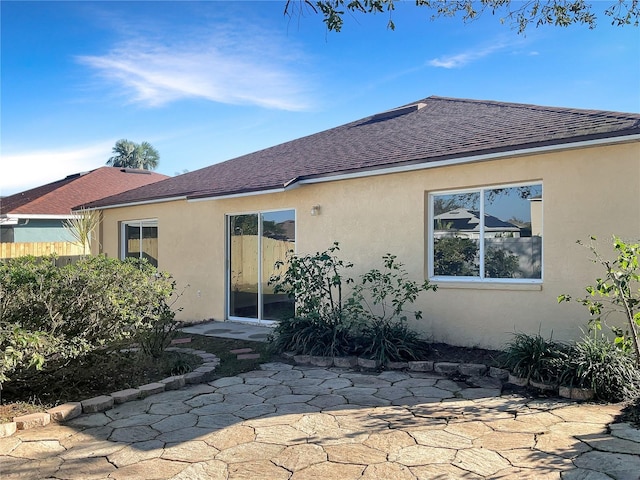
(430, 130)
(462, 219)
(58, 198)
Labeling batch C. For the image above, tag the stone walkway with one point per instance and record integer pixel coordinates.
(286, 422)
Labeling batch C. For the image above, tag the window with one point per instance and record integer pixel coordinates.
(140, 240)
(487, 234)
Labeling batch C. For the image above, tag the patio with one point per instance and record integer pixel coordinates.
(298, 422)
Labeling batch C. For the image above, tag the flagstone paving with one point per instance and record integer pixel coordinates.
(294, 422)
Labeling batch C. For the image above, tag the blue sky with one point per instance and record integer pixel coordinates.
(208, 81)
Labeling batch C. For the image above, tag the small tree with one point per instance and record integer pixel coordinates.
(321, 325)
(82, 227)
(315, 282)
(617, 291)
(379, 301)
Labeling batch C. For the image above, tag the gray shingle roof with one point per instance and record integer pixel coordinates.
(440, 129)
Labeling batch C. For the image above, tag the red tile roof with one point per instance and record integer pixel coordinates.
(58, 198)
(430, 130)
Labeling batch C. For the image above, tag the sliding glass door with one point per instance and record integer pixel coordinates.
(255, 242)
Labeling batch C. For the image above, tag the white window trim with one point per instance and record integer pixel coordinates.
(480, 279)
(144, 222)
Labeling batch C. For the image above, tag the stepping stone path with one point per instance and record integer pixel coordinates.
(304, 422)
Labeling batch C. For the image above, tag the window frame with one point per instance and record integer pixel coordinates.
(140, 223)
(480, 279)
(260, 320)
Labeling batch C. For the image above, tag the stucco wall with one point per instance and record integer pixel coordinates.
(586, 192)
(37, 230)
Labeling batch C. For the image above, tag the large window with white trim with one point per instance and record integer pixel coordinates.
(486, 234)
(140, 240)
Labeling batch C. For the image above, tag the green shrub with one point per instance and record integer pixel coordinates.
(534, 357)
(312, 336)
(618, 291)
(96, 302)
(316, 283)
(370, 322)
(378, 302)
(597, 363)
(322, 325)
(390, 342)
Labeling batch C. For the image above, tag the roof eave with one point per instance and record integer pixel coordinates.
(423, 164)
(406, 166)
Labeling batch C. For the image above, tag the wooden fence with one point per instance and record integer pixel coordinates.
(40, 249)
(244, 257)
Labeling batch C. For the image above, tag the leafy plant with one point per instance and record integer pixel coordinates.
(321, 325)
(500, 263)
(379, 301)
(618, 291)
(91, 304)
(311, 336)
(455, 256)
(534, 357)
(158, 331)
(371, 321)
(82, 227)
(315, 282)
(390, 342)
(597, 363)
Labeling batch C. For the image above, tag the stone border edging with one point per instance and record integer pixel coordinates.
(203, 374)
(444, 368)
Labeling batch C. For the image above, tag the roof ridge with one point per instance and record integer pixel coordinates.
(532, 106)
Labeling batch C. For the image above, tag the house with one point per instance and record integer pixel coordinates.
(466, 223)
(376, 185)
(38, 215)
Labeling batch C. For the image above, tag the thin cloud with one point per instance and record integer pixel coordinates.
(25, 170)
(462, 59)
(230, 69)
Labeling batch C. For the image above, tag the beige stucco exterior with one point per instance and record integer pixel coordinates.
(587, 191)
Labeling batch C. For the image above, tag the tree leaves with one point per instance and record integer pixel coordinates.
(520, 15)
(128, 154)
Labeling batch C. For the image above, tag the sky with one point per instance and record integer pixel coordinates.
(207, 81)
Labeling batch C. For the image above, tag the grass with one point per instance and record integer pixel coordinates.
(96, 375)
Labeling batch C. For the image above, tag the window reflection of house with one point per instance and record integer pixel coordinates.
(465, 223)
(535, 204)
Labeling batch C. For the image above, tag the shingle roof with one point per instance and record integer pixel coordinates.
(429, 130)
(58, 198)
(463, 219)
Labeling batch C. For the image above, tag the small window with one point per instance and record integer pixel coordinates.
(140, 240)
(486, 234)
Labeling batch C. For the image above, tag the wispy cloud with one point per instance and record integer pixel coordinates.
(248, 68)
(460, 60)
(24, 170)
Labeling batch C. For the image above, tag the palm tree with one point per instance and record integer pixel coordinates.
(129, 154)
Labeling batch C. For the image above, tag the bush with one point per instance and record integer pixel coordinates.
(618, 291)
(93, 303)
(370, 322)
(534, 357)
(322, 325)
(312, 336)
(597, 363)
(378, 301)
(390, 342)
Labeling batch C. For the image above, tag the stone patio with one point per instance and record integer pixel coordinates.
(303, 422)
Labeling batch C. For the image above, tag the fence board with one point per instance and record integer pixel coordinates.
(39, 249)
